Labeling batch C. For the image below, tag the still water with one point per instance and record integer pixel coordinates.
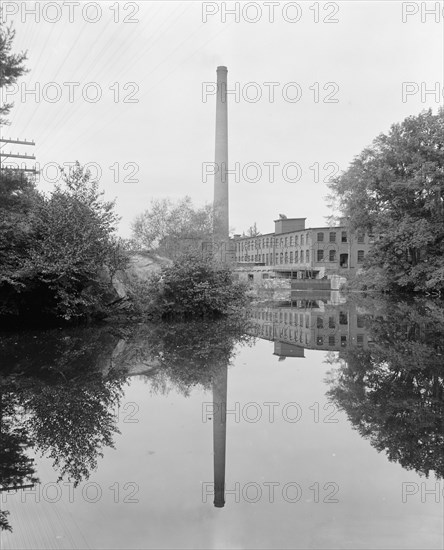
(312, 423)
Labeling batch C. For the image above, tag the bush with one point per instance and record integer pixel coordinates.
(52, 248)
(192, 287)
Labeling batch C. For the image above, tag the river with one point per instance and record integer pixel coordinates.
(312, 422)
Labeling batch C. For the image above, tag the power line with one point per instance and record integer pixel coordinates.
(157, 83)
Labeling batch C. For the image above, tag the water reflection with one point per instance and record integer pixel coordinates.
(393, 391)
(60, 390)
(389, 375)
(324, 323)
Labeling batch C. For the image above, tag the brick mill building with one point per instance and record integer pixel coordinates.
(296, 252)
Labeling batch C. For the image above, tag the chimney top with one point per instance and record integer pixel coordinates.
(222, 68)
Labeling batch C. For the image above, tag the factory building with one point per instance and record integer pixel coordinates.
(296, 252)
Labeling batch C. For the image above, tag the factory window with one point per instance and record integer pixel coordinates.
(343, 319)
(333, 237)
(331, 340)
(296, 257)
(266, 259)
(360, 340)
(282, 257)
(286, 257)
(360, 238)
(296, 240)
(360, 256)
(291, 241)
(291, 257)
(320, 341)
(320, 255)
(266, 243)
(276, 259)
(331, 322)
(344, 236)
(307, 255)
(360, 321)
(286, 241)
(343, 341)
(302, 240)
(332, 255)
(319, 322)
(307, 321)
(282, 242)
(263, 258)
(320, 237)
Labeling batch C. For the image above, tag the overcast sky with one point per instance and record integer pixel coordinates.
(347, 71)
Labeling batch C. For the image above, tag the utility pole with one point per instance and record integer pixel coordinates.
(10, 155)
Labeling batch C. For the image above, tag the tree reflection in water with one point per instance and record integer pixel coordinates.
(393, 392)
(60, 390)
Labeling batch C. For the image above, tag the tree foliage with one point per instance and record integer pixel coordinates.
(52, 247)
(395, 190)
(252, 231)
(11, 65)
(194, 286)
(170, 228)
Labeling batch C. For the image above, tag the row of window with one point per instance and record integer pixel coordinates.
(332, 237)
(282, 242)
(267, 242)
(302, 319)
(293, 257)
(320, 340)
(280, 258)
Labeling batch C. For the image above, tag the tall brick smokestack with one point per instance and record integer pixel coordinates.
(220, 203)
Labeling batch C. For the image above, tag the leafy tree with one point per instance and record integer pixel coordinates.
(253, 231)
(194, 286)
(51, 266)
(395, 190)
(11, 65)
(19, 200)
(170, 228)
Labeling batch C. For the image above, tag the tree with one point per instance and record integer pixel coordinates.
(395, 190)
(169, 227)
(11, 65)
(194, 286)
(51, 266)
(253, 231)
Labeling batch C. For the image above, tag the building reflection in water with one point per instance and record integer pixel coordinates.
(305, 323)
